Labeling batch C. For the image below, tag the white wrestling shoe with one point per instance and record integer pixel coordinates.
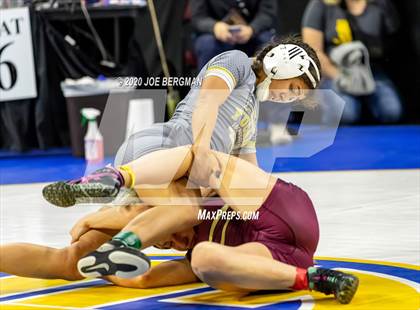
(114, 259)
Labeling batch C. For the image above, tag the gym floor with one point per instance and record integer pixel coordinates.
(365, 188)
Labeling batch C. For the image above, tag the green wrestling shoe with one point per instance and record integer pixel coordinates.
(102, 186)
(328, 281)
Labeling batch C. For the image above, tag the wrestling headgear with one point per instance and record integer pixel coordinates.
(286, 61)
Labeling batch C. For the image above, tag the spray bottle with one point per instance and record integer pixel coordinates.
(94, 142)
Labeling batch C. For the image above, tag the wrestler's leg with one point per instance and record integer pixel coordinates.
(35, 261)
(160, 167)
(154, 225)
(171, 210)
(157, 168)
(246, 267)
(239, 178)
(240, 183)
(249, 267)
(159, 223)
(29, 260)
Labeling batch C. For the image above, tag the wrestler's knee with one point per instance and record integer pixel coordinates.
(69, 256)
(207, 260)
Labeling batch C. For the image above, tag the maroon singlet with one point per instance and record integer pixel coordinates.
(287, 226)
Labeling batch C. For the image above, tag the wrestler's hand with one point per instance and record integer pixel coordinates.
(205, 166)
(82, 226)
(79, 229)
(207, 192)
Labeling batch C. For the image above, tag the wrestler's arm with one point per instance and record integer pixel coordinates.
(112, 218)
(174, 272)
(213, 93)
(242, 185)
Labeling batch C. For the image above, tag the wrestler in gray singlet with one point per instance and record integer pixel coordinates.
(236, 127)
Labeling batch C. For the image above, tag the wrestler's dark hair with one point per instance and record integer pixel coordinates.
(257, 66)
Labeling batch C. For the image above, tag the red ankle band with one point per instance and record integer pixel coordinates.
(301, 280)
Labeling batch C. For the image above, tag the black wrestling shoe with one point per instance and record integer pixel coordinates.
(328, 281)
(114, 259)
(102, 186)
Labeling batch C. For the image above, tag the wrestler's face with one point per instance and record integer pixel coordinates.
(285, 91)
(181, 241)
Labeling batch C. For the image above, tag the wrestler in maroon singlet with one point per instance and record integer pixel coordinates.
(287, 226)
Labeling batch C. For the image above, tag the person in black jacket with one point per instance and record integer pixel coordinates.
(231, 24)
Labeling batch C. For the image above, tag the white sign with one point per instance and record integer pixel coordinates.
(17, 70)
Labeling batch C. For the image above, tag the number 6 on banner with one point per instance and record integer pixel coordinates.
(17, 63)
(10, 67)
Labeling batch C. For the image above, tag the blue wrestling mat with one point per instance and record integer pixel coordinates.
(354, 148)
(382, 286)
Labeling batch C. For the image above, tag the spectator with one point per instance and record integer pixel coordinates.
(231, 24)
(330, 24)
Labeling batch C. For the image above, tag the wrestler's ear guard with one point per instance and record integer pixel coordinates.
(287, 61)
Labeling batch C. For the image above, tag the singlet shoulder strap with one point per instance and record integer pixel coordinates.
(214, 224)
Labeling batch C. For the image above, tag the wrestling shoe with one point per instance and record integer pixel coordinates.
(102, 186)
(114, 259)
(328, 281)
